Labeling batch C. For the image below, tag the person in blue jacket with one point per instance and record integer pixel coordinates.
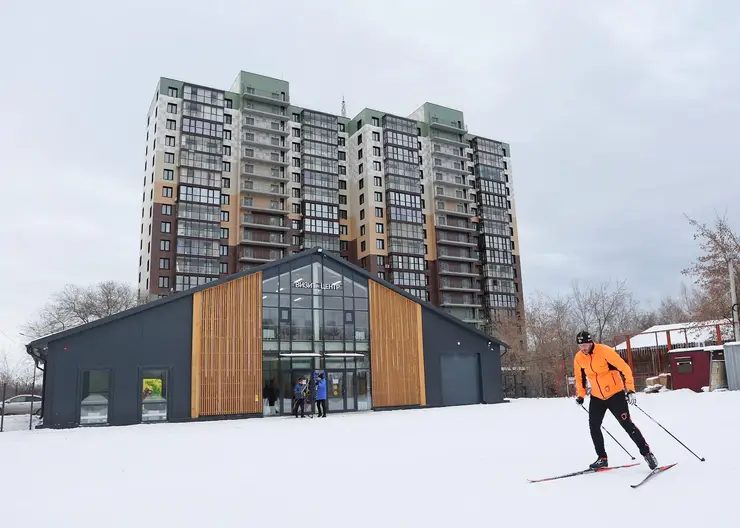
(321, 395)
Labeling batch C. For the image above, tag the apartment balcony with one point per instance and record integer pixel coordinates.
(272, 128)
(449, 126)
(272, 223)
(448, 224)
(461, 300)
(272, 207)
(259, 157)
(450, 153)
(271, 145)
(448, 141)
(457, 181)
(458, 168)
(457, 239)
(460, 270)
(454, 210)
(250, 187)
(266, 96)
(454, 196)
(265, 112)
(256, 238)
(260, 254)
(459, 256)
(459, 285)
(274, 175)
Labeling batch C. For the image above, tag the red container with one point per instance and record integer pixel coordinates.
(690, 368)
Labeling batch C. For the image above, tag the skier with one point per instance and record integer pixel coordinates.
(605, 368)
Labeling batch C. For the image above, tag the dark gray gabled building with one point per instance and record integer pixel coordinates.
(236, 347)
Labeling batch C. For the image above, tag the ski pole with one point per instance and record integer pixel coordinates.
(607, 432)
(667, 431)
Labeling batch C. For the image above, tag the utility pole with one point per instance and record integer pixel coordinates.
(733, 300)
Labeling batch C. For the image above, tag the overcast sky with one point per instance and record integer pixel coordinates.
(620, 118)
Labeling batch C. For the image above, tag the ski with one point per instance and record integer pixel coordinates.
(583, 472)
(654, 472)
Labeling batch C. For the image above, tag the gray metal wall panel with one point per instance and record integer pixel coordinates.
(442, 337)
(159, 337)
(732, 365)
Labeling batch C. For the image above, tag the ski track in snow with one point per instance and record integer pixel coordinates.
(464, 466)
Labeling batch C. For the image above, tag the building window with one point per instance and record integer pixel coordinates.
(172, 92)
(171, 124)
(380, 243)
(227, 150)
(223, 268)
(169, 157)
(224, 232)
(379, 228)
(379, 212)
(165, 227)
(95, 397)
(342, 229)
(363, 246)
(169, 141)
(226, 166)
(227, 134)
(376, 122)
(227, 119)
(167, 192)
(378, 181)
(377, 166)
(164, 263)
(153, 395)
(163, 281)
(376, 151)
(378, 196)
(342, 185)
(168, 174)
(167, 209)
(164, 245)
(224, 216)
(172, 108)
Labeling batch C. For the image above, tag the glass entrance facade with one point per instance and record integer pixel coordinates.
(315, 319)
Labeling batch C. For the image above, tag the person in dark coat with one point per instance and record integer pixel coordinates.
(299, 393)
(321, 395)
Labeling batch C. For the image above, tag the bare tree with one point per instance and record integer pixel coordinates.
(75, 305)
(605, 310)
(719, 246)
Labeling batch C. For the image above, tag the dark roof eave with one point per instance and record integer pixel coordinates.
(44, 341)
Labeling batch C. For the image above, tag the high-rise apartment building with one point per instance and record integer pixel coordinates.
(236, 178)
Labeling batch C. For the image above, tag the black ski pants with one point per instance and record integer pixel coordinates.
(617, 405)
(321, 407)
(299, 404)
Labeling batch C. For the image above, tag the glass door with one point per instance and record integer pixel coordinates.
(335, 389)
(349, 392)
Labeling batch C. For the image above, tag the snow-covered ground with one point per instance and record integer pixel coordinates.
(464, 466)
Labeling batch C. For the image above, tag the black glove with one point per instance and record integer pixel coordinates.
(631, 398)
(579, 400)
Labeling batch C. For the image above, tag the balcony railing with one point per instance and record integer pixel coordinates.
(455, 126)
(283, 99)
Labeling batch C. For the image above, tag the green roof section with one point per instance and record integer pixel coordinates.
(442, 114)
(261, 85)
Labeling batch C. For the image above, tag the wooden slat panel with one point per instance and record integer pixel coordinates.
(396, 349)
(227, 348)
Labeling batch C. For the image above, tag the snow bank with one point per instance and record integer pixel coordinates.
(463, 466)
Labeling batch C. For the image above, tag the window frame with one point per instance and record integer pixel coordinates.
(167, 376)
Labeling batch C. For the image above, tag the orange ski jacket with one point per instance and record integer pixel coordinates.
(604, 369)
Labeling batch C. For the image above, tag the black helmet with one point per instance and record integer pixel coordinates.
(584, 336)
